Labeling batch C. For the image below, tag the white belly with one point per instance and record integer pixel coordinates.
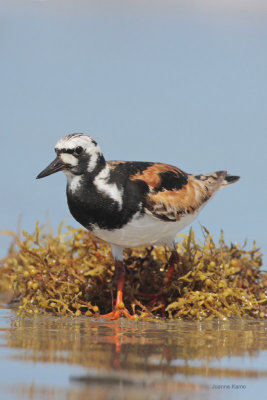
(145, 230)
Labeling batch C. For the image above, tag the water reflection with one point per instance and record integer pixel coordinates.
(100, 392)
(145, 359)
(121, 344)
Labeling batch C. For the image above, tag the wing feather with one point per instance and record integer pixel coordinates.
(172, 205)
(170, 192)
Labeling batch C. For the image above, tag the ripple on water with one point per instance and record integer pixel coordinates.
(53, 357)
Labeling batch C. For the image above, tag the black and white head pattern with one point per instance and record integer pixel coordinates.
(79, 152)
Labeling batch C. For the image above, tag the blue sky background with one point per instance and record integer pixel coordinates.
(167, 81)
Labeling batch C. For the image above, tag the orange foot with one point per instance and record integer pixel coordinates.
(119, 310)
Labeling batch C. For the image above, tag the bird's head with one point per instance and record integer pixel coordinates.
(77, 154)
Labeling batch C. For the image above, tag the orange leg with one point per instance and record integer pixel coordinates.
(174, 259)
(119, 310)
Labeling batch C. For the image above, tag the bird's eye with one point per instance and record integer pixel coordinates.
(78, 150)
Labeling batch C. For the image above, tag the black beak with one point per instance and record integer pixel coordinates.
(55, 166)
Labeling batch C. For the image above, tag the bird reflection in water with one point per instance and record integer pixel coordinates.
(140, 358)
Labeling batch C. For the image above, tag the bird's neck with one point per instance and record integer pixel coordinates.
(95, 166)
(95, 199)
(95, 186)
(89, 172)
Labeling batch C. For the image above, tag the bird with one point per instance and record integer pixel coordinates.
(130, 203)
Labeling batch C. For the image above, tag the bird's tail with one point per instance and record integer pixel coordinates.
(229, 179)
(216, 180)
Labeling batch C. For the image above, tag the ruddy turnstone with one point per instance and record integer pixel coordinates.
(130, 203)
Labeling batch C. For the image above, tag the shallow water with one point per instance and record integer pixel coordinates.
(47, 357)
